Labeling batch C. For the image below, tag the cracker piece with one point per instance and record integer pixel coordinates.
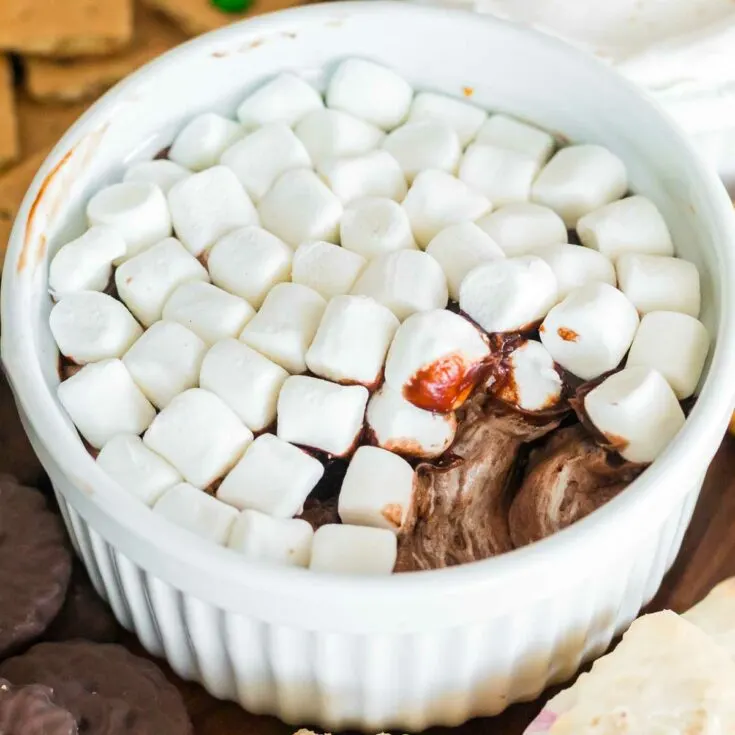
(9, 148)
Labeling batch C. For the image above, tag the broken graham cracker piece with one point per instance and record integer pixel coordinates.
(8, 120)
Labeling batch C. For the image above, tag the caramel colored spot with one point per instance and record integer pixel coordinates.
(392, 513)
(468, 91)
(568, 335)
(542, 329)
(443, 385)
(618, 443)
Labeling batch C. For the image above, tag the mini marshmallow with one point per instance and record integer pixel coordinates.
(575, 266)
(85, 264)
(145, 282)
(674, 344)
(637, 412)
(405, 281)
(279, 541)
(318, 414)
(352, 341)
(399, 426)
(137, 210)
(434, 359)
(327, 268)
(426, 144)
(631, 225)
(137, 469)
(506, 132)
(460, 248)
(285, 326)
(161, 172)
(211, 313)
(89, 326)
(198, 512)
(590, 331)
(103, 401)
(203, 140)
(465, 119)
(436, 200)
(371, 92)
(578, 180)
(208, 205)
(249, 262)
(285, 99)
(300, 207)
(503, 176)
(373, 226)
(245, 380)
(373, 174)
(165, 361)
(508, 294)
(523, 228)
(199, 435)
(263, 156)
(273, 477)
(342, 549)
(659, 283)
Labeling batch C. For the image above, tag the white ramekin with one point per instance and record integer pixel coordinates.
(407, 651)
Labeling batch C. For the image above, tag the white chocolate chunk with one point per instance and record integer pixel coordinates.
(160, 171)
(506, 132)
(342, 549)
(422, 145)
(284, 99)
(372, 227)
(373, 174)
(575, 266)
(327, 268)
(503, 176)
(203, 140)
(465, 119)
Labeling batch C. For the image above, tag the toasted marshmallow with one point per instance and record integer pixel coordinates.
(575, 266)
(285, 326)
(342, 549)
(137, 469)
(400, 427)
(590, 331)
(676, 345)
(161, 172)
(506, 132)
(299, 207)
(89, 326)
(318, 414)
(659, 283)
(273, 477)
(434, 360)
(503, 176)
(373, 226)
(371, 92)
(405, 281)
(249, 262)
(465, 119)
(85, 264)
(137, 210)
(352, 341)
(327, 268)
(460, 248)
(508, 294)
(578, 180)
(103, 401)
(285, 99)
(145, 282)
(278, 541)
(203, 140)
(422, 145)
(373, 174)
(637, 411)
(436, 200)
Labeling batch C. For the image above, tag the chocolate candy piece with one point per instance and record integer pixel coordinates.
(30, 710)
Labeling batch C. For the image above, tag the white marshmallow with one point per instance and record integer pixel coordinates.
(637, 412)
(285, 99)
(503, 176)
(371, 92)
(165, 361)
(137, 469)
(208, 205)
(327, 268)
(373, 226)
(460, 248)
(575, 266)
(426, 144)
(508, 294)
(434, 360)
(263, 156)
(659, 283)
(199, 435)
(373, 174)
(631, 225)
(160, 171)
(674, 344)
(318, 414)
(285, 326)
(465, 119)
(245, 380)
(401, 427)
(203, 140)
(361, 550)
(590, 331)
(85, 264)
(273, 477)
(352, 341)
(506, 132)
(436, 200)
(249, 262)
(578, 180)
(280, 541)
(103, 401)
(145, 282)
(405, 281)
(137, 210)
(299, 207)
(211, 313)
(89, 326)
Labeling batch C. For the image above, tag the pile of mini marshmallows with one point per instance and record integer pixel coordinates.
(282, 286)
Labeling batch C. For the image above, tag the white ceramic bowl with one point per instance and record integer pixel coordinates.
(410, 650)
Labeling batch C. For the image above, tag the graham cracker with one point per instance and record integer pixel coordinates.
(42, 125)
(8, 120)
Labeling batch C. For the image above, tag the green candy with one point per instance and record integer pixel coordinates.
(232, 6)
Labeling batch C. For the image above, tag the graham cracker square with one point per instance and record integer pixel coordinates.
(8, 119)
